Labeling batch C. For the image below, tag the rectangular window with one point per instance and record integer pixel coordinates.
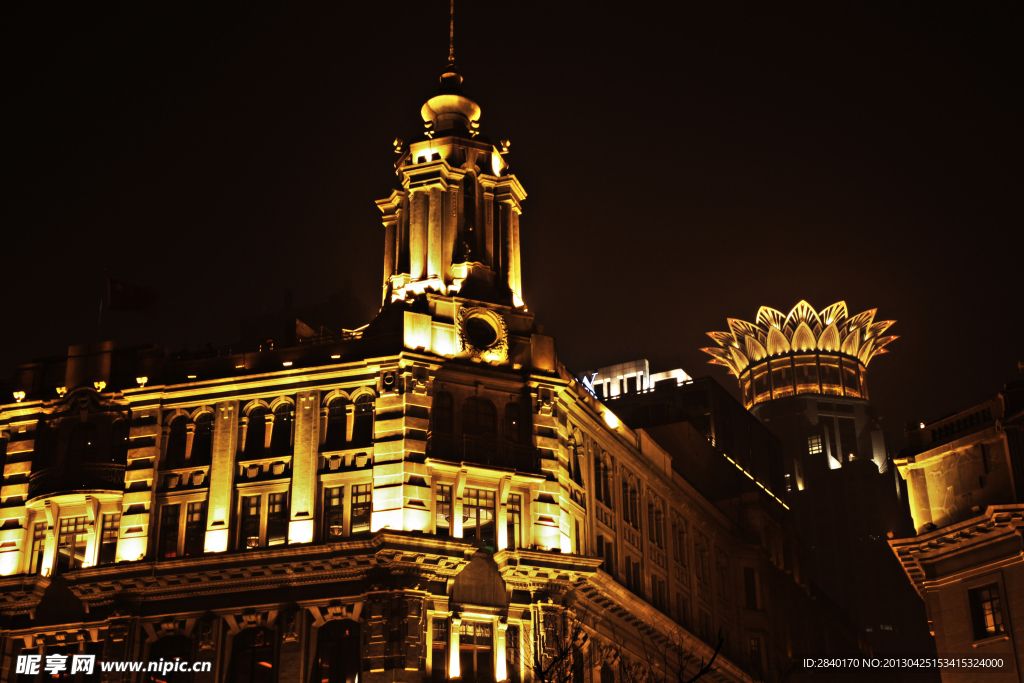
(514, 517)
(851, 378)
(439, 651)
(478, 516)
(831, 383)
(251, 521)
(71, 543)
(475, 652)
(782, 378)
(631, 385)
(361, 507)
(814, 445)
(108, 538)
(847, 439)
(986, 611)
(195, 529)
(704, 626)
(334, 512)
(747, 389)
(38, 547)
(169, 517)
(751, 588)
(277, 519)
(512, 656)
(806, 370)
(682, 610)
(444, 511)
(762, 387)
(755, 654)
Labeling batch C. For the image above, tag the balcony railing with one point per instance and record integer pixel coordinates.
(483, 450)
(79, 477)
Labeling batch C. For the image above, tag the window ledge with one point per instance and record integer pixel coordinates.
(989, 641)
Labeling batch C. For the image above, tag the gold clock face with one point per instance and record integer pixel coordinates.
(480, 332)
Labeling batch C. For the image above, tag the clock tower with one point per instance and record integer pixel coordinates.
(451, 245)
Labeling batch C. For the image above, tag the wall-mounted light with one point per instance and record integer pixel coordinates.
(142, 381)
(61, 391)
(287, 363)
(922, 425)
(19, 396)
(610, 419)
(191, 376)
(100, 386)
(336, 356)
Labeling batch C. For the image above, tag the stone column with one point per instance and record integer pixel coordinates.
(435, 232)
(190, 434)
(222, 476)
(305, 461)
(456, 521)
(500, 670)
(502, 517)
(489, 226)
(390, 247)
(518, 278)
(508, 245)
(268, 433)
(454, 671)
(453, 237)
(418, 235)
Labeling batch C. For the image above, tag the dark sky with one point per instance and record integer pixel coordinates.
(684, 164)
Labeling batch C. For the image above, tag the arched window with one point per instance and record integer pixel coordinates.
(337, 653)
(83, 444)
(170, 649)
(607, 674)
(177, 439)
(362, 429)
(252, 657)
(281, 437)
(479, 418)
(202, 440)
(256, 434)
(443, 413)
(336, 424)
(118, 443)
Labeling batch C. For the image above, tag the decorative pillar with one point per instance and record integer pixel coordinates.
(190, 433)
(268, 433)
(500, 670)
(222, 476)
(508, 244)
(50, 552)
(435, 231)
(503, 488)
(242, 430)
(457, 489)
(418, 235)
(454, 671)
(305, 461)
(489, 225)
(452, 234)
(350, 419)
(517, 291)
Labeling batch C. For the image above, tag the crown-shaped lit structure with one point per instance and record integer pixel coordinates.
(805, 352)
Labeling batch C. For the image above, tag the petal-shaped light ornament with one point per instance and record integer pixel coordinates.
(721, 357)
(777, 342)
(739, 359)
(867, 350)
(851, 345)
(723, 338)
(834, 313)
(862, 319)
(742, 327)
(876, 345)
(802, 312)
(803, 338)
(877, 329)
(769, 318)
(755, 349)
(829, 339)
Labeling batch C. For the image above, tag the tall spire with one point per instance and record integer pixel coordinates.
(451, 38)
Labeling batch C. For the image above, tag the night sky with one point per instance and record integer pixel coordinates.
(684, 164)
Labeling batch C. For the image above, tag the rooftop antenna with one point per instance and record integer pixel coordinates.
(451, 37)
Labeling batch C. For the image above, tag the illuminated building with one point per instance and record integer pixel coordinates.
(736, 463)
(965, 475)
(804, 376)
(407, 501)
